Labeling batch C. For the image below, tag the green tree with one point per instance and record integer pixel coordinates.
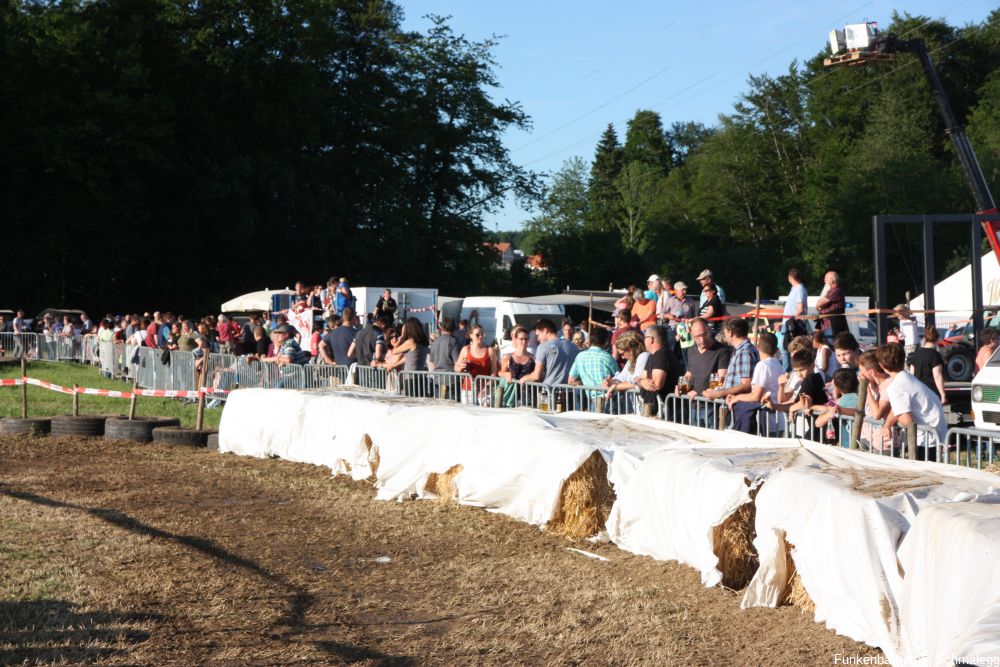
(605, 200)
(646, 142)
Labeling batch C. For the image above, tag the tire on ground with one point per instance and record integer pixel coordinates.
(139, 429)
(88, 426)
(213, 442)
(30, 426)
(174, 435)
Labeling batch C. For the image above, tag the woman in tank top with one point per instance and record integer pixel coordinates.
(476, 358)
(410, 352)
(518, 363)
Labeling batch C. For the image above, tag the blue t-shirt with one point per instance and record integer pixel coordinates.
(847, 401)
(796, 296)
(557, 356)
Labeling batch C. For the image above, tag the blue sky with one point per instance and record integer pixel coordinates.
(576, 66)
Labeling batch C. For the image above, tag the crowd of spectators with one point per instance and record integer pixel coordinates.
(662, 342)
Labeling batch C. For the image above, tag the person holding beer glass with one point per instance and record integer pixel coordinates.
(632, 349)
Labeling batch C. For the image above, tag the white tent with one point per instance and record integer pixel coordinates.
(954, 293)
(254, 301)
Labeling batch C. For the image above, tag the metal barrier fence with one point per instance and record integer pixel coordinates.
(19, 345)
(443, 385)
(370, 377)
(974, 448)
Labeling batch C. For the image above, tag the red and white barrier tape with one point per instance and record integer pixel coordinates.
(111, 393)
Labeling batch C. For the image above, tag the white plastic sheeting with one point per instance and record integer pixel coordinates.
(324, 427)
(950, 606)
(846, 516)
(669, 507)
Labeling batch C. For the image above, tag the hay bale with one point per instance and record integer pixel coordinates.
(796, 594)
(993, 468)
(732, 542)
(373, 457)
(443, 485)
(585, 500)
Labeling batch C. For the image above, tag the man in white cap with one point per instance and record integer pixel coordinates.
(654, 286)
(705, 278)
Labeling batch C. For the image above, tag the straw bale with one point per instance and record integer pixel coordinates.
(796, 594)
(443, 485)
(585, 500)
(993, 468)
(373, 457)
(732, 542)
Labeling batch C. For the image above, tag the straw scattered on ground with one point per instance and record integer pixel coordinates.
(732, 542)
(585, 500)
(128, 554)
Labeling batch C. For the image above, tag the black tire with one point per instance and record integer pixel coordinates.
(139, 429)
(29, 426)
(88, 426)
(958, 365)
(174, 435)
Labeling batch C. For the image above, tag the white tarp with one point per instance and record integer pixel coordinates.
(669, 507)
(323, 427)
(950, 606)
(254, 301)
(845, 517)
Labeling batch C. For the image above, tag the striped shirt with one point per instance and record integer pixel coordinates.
(741, 364)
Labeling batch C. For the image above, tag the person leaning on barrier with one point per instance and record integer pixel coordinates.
(335, 345)
(369, 343)
(553, 357)
(911, 400)
(763, 386)
(739, 372)
(519, 362)
(876, 403)
(594, 366)
(631, 348)
(846, 350)
(410, 353)
(476, 358)
(706, 357)
(444, 351)
(286, 349)
(662, 369)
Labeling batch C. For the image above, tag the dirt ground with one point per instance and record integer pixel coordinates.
(144, 554)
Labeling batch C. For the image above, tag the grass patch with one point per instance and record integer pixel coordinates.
(43, 402)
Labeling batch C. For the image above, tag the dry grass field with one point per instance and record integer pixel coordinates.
(128, 554)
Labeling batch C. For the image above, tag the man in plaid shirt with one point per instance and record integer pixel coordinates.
(594, 365)
(741, 363)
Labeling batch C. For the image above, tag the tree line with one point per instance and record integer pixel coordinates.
(791, 176)
(175, 153)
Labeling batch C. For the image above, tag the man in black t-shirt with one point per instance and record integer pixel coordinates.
(365, 346)
(662, 369)
(707, 356)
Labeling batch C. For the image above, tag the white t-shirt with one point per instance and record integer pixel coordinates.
(640, 365)
(908, 394)
(766, 374)
(908, 328)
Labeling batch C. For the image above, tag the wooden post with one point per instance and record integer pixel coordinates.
(132, 401)
(200, 421)
(911, 441)
(590, 313)
(498, 397)
(24, 389)
(76, 402)
(648, 409)
(721, 415)
(599, 404)
(859, 415)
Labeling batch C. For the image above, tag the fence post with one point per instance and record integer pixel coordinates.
(498, 397)
(24, 388)
(911, 441)
(599, 404)
(859, 414)
(76, 402)
(721, 416)
(132, 400)
(648, 409)
(200, 421)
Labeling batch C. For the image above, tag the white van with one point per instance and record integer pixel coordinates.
(986, 394)
(498, 314)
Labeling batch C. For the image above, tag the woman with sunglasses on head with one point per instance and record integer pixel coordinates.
(476, 358)
(410, 353)
(519, 362)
